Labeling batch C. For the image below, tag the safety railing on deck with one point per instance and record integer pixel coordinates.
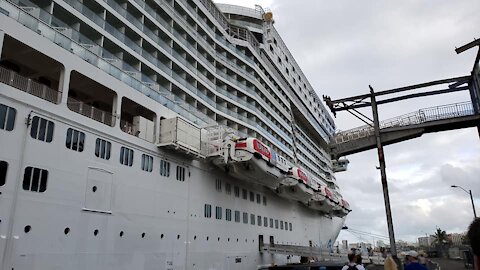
(417, 117)
(28, 85)
(91, 112)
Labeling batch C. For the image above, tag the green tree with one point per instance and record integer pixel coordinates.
(440, 237)
(441, 242)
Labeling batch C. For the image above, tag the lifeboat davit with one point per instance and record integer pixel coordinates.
(295, 186)
(322, 200)
(254, 162)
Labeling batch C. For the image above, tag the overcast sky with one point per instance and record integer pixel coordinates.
(342, 47)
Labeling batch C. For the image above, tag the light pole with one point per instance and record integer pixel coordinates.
(471, 198)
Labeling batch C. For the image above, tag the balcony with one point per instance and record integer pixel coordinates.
(28, 85)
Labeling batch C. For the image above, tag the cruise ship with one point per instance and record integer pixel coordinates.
(157, 134)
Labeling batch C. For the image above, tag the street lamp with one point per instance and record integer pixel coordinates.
(471, 198)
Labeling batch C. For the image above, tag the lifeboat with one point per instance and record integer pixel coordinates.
(342, 210)
(322, 200)
(254, 162)
(295, 186)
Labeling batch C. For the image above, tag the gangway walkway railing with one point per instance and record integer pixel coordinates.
(317, 253)
(418, 117)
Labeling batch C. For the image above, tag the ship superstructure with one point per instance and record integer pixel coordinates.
(157, 135)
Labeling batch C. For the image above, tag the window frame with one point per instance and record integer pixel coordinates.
(75, 140)
(126, 156)
(8, 120)
(164, 168)
(147, 163)
(42, 129)
(3, 172)
(34, 174)
(103, 149)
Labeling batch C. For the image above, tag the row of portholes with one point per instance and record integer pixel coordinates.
(66, 231)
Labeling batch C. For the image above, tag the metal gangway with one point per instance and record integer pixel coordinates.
(318, 253)
(404, 127)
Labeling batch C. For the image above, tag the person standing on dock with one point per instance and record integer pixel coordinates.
(352, 262)
(412, 261)
(474, 237)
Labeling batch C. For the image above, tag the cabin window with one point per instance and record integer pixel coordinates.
(271, 223)
(164, 168)
(236, 191)
(259, 199)
(103, 149)
(276, 223)
(252, 196)
(281, 225)
(126, 156)
(244, 194)
(42, 129)
(75, 140)
(265, 222)
(218, 185)
(35, 179)
(290, 225)
(245, 218)
(237, 216)
(252, 219)
(218, 212)
(147, 163)
(7, 117)
(208, 211)
(180, 173)
(228, 214)
(259, 220)
(3, 172)
(264, 200)
(286, 226)
(228, 188)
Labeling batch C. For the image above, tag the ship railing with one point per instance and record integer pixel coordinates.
(418, 117)
(72, 45)
(28, 85)
(91, 112)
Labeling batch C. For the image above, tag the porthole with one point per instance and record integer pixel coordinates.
(66, 231)
(94, 188)
(178, 236)
(246, 240)
(161, 236)
(237, 239)
(95, 232)
(121, 233)
(195, 237)
(207, 238)
(218, 239)
(27, 229)
(143, 235)
(228, 239)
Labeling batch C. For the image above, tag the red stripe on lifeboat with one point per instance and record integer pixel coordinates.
(241, 145)
(328, 193)
(302, 176)
(261, 149)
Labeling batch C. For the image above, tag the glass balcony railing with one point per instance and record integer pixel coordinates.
(188, 45)
(70, 45)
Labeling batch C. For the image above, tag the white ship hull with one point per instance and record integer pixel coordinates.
(98, 214)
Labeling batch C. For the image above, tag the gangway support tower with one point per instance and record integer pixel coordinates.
(377, 134)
